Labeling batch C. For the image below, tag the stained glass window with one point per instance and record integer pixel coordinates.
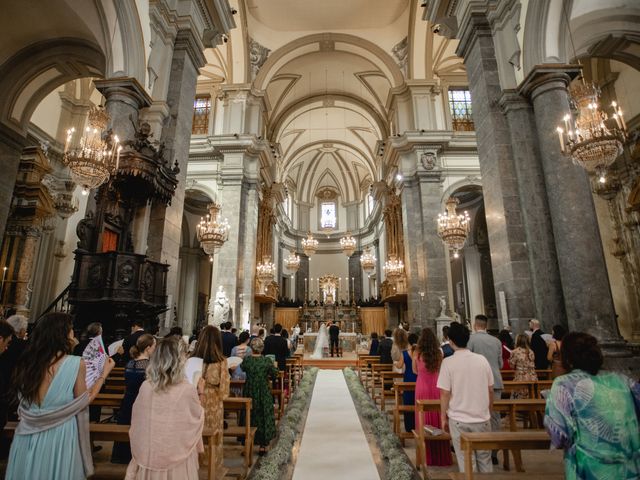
(328, 216)
(201, 109)
(460, 106)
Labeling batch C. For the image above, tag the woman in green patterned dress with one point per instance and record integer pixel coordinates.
(593, 416)
(257, 386)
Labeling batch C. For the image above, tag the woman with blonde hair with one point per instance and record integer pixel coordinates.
(213, 386)
(400, 344)
(167, 419)
(522, 360)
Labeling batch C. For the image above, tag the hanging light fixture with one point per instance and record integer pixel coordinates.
(292, 262)
(590, 138)
(212, 232)
(348, 244)
(94, 158)
(309, 245)
(393, 267)
(368, 261)
(453, 228)
(266, 270)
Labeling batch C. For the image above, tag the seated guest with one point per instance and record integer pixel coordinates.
(52, 438)
(373, 348)
(259, 370)
(447, 351)
(384, 348)
(554, 355)
(134, 375)
(277, 346)
(593, 415)
(507, 346)
(538, 345)
(229, 340)
(213, 386)
(132, 340)
(167, 419)
(466, 396)
(522, 361)
(426, 361)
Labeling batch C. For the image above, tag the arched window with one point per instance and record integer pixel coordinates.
(328, 218)
(288, 205)
(370, 204)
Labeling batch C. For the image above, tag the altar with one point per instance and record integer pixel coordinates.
(348, 342)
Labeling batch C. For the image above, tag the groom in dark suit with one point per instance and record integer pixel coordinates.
(334, 338)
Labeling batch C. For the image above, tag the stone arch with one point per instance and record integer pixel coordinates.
(459, 185)
(132, 40)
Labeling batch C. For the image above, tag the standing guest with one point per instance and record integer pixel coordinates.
(132, 340)
(259, 370)
(17, 342)
(426, 361)
(593, 415)
(165, 440)
(262, 334)
(255, 331)
(52, 438)
(229, 340)
(554, 355)
(334, 339)
(406, 365)
(285, 335)
(447, 351)
(538, 345)
(522, 361)
(242, 350)
(507, 346)
(413, 341)
(134, 375)
(400, 344)
(213, 386)
(277, 346)
(464, 407)
(384, 348)
(490, 348)
(6, 337)
(373, 348)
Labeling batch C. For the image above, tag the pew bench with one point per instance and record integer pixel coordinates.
(376, 370)
(401, 409)
(387, 380)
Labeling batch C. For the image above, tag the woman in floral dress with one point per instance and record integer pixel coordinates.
(259, 371)
(213, 387)
(522, 360)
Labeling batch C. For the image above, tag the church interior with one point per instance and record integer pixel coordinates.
(378, 168)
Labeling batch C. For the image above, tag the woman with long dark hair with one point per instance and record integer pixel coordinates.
(427, 358)
(213, 386)
(52, 438)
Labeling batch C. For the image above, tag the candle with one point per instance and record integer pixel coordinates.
(560, 137)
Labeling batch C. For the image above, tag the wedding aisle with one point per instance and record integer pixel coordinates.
(333, 442)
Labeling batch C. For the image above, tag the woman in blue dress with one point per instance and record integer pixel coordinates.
(52, 439)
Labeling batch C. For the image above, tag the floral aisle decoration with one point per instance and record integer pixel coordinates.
(397, 464)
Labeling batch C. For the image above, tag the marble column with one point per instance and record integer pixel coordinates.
(355, 276)
(585, 283)
(505, 228)
(165, 222)
(301, 274)
(189, 278)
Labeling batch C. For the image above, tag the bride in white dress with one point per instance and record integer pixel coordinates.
(322, 340)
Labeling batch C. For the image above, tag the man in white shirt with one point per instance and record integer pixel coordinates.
(466, 396)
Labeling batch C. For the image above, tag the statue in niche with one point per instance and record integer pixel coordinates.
(443, 306)
(220, 307)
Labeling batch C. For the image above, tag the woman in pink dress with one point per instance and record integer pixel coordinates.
(426, 363)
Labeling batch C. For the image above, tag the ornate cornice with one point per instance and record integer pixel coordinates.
(545, 77)
(186, 40)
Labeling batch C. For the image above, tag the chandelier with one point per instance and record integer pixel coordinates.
(212, 232)
(453, 228)
(65, 204)
(96, 155)
(348, 244)
(266, 270)
(309, 245)
(368, 261)
(587, 138)
(393, 267)
(292, 262)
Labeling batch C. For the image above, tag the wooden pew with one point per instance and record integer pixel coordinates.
(109, 432)
(246, 431)
(386, 387)
(400, 408)
(420, 436)
(376, 369)
(514, 441)
(508, 374)
(364, 369)
(510, 386)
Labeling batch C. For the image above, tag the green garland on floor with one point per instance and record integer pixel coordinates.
(398, 465)
(291, 425)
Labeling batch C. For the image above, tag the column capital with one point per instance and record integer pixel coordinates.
(512, 100)
(124, 89)
(545, 77)
(473, 26)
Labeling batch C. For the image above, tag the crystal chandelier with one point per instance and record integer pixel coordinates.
(66, 204)
(592, 143)
(348, 244)
(309, 245)
(212, 232)
(368, 261)
(96, 155)
(393, 267)
(266, 270)
(453, 228)
(292, 262)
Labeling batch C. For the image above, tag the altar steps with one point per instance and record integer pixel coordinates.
(335, 363)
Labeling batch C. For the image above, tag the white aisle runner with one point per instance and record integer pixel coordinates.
(333, 443)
